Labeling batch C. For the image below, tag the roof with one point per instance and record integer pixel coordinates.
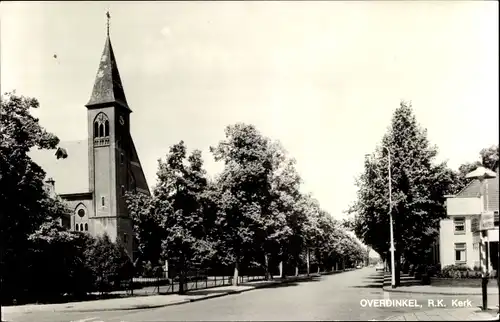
(108, 86)
(492, 191)
(71, 173)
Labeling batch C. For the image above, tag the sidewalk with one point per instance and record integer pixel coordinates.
(469, 314)
(415, 288)
(154, 301)
(456, 314)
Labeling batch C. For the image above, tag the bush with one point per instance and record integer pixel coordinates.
(411, 270)
(458, 271)
(109, 264)
(64, 251)
(432, 270)
(426, 279)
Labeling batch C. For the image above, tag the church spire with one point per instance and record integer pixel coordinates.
(108, 88)
(107, 23)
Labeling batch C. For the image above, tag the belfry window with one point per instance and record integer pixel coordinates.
(101, 126)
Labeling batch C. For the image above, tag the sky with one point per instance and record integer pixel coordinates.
(324, 78)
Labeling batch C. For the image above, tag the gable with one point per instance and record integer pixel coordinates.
(473, 188)
(71, 173)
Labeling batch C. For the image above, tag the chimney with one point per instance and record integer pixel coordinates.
(51, 186)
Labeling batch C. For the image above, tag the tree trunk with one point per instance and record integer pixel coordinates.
(181, 282)
(236, 273)
(297, 270)
(266, 266)
(398, 269)
(308, 261)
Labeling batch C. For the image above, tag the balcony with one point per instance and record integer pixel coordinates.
(101, 141)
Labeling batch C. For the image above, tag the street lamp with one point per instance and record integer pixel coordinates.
(482, 173)
(391, 224)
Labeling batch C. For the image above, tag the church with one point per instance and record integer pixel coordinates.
(93, 175)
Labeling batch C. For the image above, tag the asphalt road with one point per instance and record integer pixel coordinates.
(334, 297)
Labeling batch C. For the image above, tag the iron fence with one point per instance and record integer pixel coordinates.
(196, 280)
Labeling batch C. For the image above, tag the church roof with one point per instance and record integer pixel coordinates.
(108, 86)
(70, 174)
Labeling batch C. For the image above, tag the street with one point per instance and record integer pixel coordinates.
(333, 297)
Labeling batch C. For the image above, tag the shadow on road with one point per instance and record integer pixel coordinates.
(294, 283)
(378, 285)
(205, 292)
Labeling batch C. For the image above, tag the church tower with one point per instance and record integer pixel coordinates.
(114, 167)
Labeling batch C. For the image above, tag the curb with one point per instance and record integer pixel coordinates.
(386, 286)
(387, 289)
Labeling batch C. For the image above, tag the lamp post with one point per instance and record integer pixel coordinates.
(482, 173)
(391, 224)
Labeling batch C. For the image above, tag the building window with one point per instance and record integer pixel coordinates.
(122, 158)
(81, 227)
(125, 238)
(460, 253)
(495, 216)
(102, 202)
(96, 129)
(86, 227)
(81, 212)
(123, 191)
(459, 225)
(101, 126)
(76, 227)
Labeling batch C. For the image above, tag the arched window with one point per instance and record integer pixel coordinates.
(101, 126)
(81, 227)
(76, 227)
(86, 227)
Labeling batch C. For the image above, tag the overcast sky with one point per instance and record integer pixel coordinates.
(322, 77)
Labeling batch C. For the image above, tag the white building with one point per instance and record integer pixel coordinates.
(457, 244)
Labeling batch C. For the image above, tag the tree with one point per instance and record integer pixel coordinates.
(371, 221)
(109, 264)
(148, 231)
(244, 189)
(490, 156)
(69, 271)
(489, 159)
(281, 220)
(418, 190)
(178, 200)
(314, 230)
(25, 203)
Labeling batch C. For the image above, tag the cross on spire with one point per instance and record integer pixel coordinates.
(107, 24)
